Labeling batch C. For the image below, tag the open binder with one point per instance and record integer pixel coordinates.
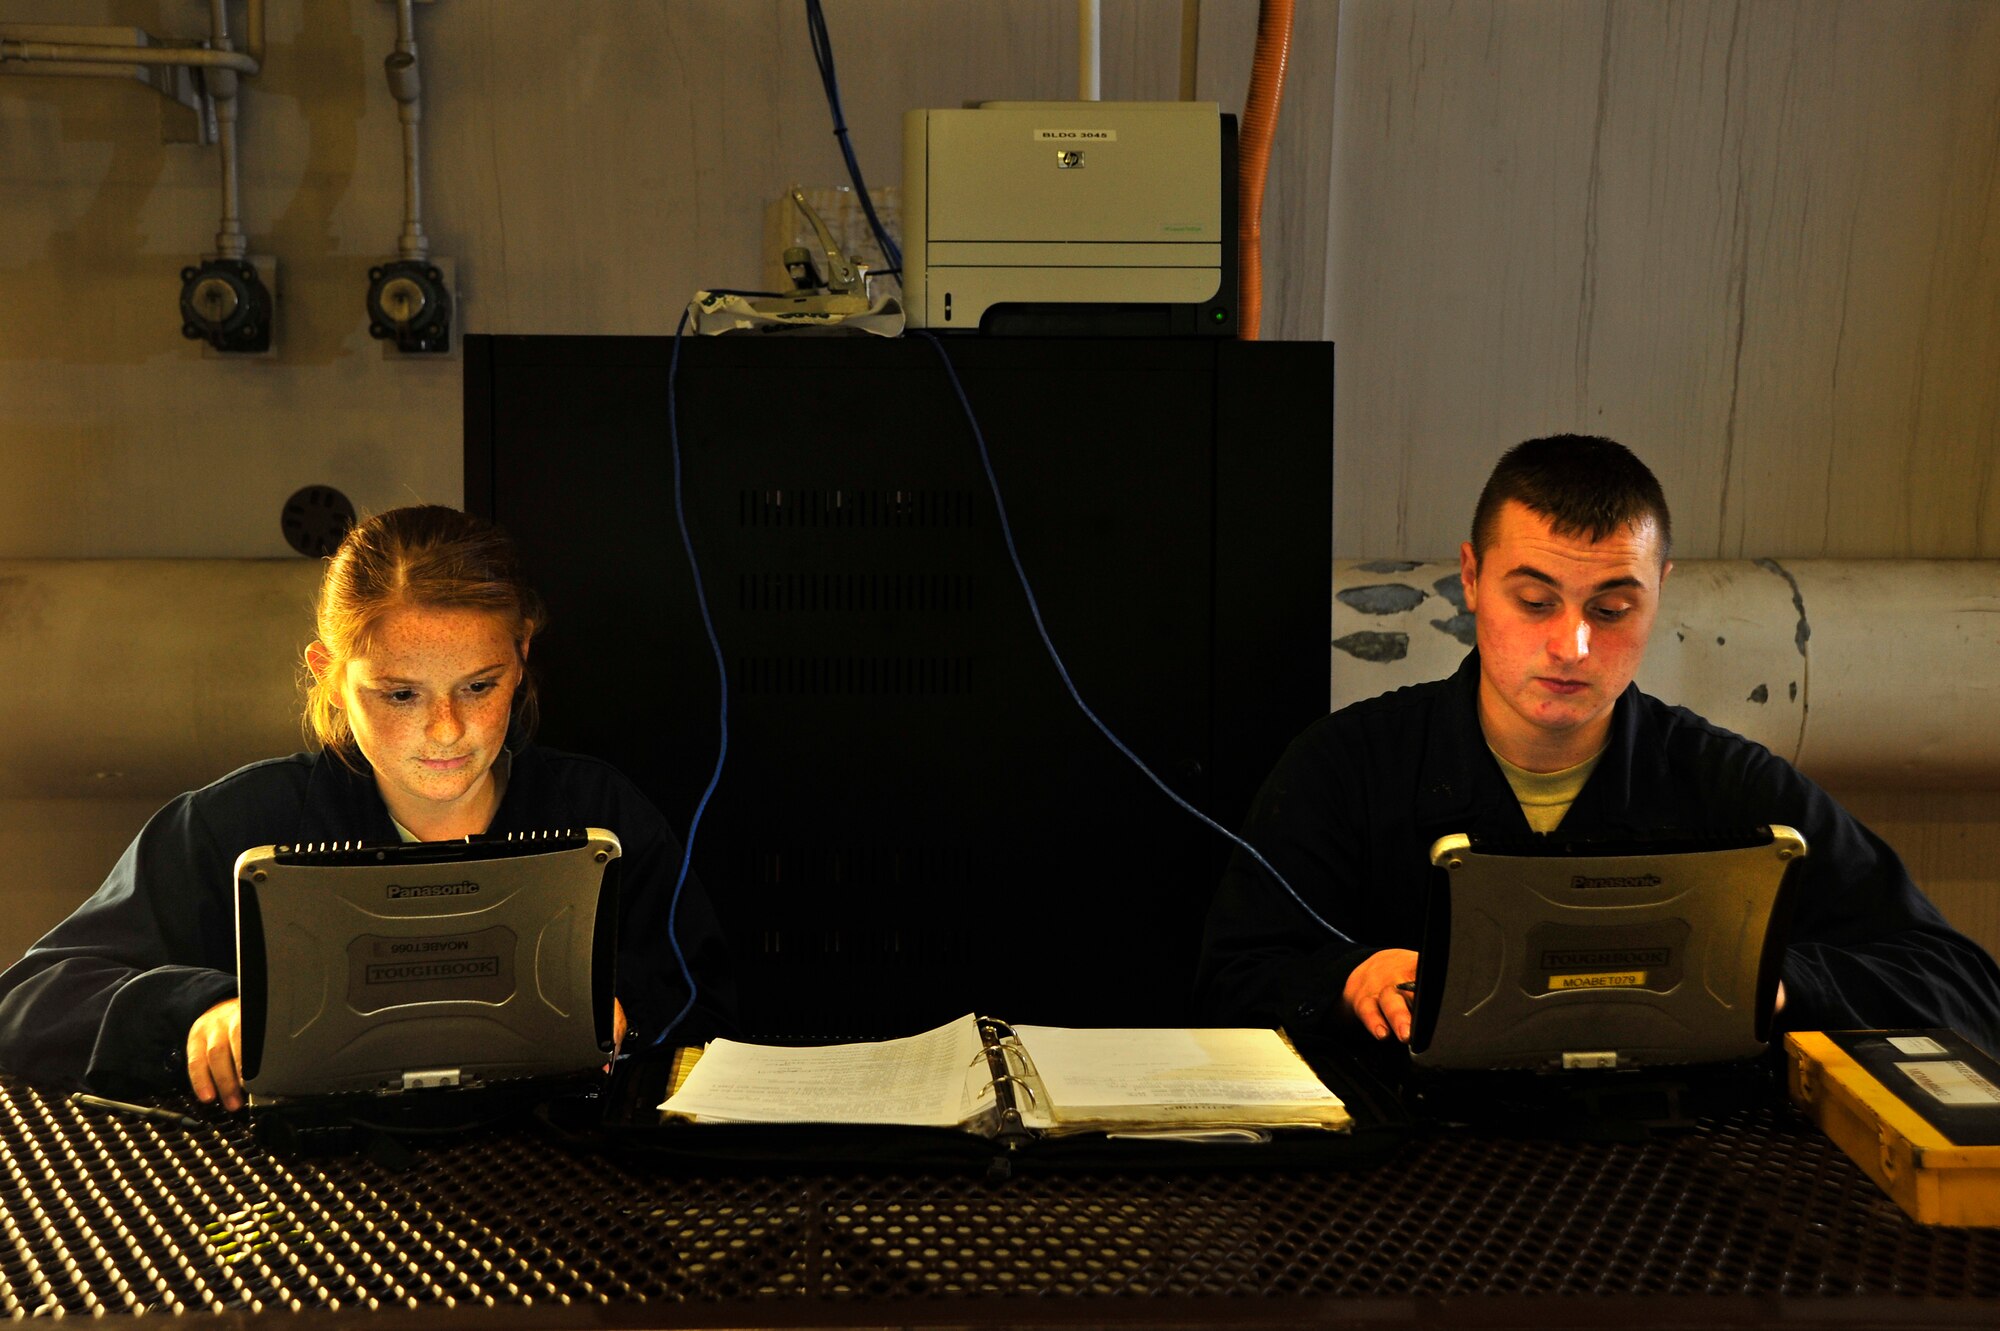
(1016, 1084)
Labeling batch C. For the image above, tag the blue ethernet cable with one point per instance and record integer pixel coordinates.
(1035, 610)
(722, 679)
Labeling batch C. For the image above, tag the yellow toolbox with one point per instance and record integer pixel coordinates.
(1919, 1110)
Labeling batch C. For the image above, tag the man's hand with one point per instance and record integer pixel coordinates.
(619, 1029)
(1372, 996)
(215, 1054)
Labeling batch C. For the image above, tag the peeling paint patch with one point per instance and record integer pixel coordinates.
(1452, 589)
(1760, 694)
(1380, 648)
(1387, 566)
(1803, 633)
(1721, 641)
(1795, 691)
(1383, 598)
(1458, 626)
(1680, 636)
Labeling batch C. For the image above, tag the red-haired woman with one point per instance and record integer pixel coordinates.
(421, 709)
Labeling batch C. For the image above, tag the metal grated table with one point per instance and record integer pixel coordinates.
(104, 1215)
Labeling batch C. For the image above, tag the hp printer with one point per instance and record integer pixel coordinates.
(1071, 217)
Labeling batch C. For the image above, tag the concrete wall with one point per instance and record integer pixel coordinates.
(1757, 240)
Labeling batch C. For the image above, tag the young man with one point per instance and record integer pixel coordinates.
(1542, 727)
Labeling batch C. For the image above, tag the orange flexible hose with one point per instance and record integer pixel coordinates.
(1260, 126)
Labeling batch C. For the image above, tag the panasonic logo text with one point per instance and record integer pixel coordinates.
(406, 891)
(1636, 880)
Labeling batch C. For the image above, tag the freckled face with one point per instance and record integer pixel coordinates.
(1562, 624)
(429, 706)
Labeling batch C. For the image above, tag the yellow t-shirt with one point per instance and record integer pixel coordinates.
(1546, 796)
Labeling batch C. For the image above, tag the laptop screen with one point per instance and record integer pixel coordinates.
(426, 965)
(1549, 955)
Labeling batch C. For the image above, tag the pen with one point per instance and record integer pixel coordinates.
(173, 1116)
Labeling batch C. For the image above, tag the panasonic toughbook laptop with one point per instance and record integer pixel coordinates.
(409, 969)
(1549, 956)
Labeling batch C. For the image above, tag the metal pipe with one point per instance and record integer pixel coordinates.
(219, 59)
(81, 70)
(230, 242)
(406, 86)
(406, 27)
(72, 58)
(80, 53)
(1089, 43)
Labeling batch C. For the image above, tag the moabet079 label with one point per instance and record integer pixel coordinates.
(1601, 980)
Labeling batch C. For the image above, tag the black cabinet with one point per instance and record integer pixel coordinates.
(915, 820)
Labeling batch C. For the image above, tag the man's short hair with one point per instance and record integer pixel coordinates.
(1584, 485)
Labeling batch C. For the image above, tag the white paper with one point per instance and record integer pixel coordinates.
(1178, 1068)
(919, 1081)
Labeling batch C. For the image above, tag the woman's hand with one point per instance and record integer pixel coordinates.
(215, 1054)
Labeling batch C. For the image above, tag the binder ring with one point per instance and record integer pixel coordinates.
(1033, 1099)
(1012, 1044)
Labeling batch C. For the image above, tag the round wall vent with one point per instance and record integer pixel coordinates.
(315, 520)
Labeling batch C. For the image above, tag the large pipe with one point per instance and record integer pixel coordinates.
(146, 677)
(1866, 674)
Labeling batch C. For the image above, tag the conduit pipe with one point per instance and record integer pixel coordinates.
(1260, 127)
(78, 53)
(1866, 674)
(65, 56)
(406, 86)
(409, 299)
(230, 242)
(220, 61)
